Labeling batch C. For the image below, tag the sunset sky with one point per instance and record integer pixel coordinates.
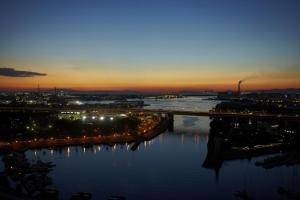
(149, 45)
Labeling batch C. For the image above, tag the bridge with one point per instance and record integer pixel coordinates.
(162, 111)
(260, 115)
(221, 113)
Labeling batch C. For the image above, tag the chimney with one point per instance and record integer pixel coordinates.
(239, 88)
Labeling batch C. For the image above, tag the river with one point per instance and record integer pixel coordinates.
(167, 167)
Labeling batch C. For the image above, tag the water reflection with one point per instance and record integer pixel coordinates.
(190, 121)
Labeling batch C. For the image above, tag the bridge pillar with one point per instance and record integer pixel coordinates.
(171, 122)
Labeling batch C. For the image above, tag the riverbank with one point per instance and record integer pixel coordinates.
(100, 139)
(286, 158)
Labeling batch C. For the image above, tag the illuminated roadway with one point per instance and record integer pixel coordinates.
(163, 111)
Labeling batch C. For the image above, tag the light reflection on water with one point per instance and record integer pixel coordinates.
(167, 167)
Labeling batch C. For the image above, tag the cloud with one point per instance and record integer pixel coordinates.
(11, 72)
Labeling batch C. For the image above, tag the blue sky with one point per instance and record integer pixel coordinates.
(239, 37)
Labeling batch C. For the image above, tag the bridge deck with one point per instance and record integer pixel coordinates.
(173, 112)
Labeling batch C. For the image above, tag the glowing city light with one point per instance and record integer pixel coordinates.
(78, 102)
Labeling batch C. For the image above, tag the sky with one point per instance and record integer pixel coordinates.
(149, 45)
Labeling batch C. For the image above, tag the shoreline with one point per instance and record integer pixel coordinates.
(111, 139)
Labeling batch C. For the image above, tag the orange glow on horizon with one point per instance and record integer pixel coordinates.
(148, 80)
(157, 88)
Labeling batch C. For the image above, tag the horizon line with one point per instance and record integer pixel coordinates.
(167, 90)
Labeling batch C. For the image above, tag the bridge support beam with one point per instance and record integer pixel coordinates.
(171, 122)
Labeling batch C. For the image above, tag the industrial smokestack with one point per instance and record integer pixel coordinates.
(239, 87)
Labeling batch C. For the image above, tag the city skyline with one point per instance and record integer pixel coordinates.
(149, 46)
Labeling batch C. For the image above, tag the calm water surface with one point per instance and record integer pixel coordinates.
(168, 167)
(187, 103)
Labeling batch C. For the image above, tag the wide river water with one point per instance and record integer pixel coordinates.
(168, 167)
